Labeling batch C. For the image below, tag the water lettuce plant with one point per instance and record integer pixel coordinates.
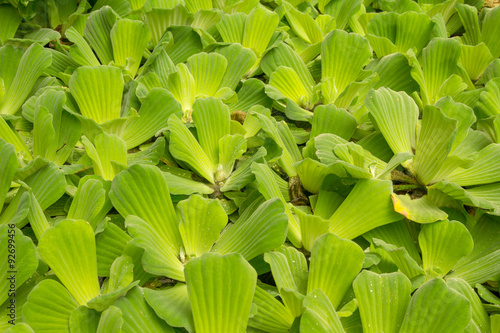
(250, 166)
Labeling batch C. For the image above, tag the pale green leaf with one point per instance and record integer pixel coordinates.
(443, 244)
(262, 231)
(382, 300)
(319, 315)
(49, 307)
(208, 70)
(479, 316)
(272, 315)
(344, 64)
(201, 224)
(172, 305)
(260, 25)
(138, 316)
(129, 40)
(433, 144)
(184, 147)
(69, 250)
(435, 307)
(220, 290)
(98, 92)
(335, 262)
(364, 209)
(97, 33)
(31, 66)
(396, 116)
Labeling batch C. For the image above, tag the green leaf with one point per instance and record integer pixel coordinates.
(122, 8)
(270, 189)
(49, 307)
(303, 25)
(439, 62)
(251, 93)
(91, 202)
(80, 51)
(97, 33)
(201, 224)
(344, 64)
(490, 28)
(231, 27)
(443, 244)
(158, 106)
(364, 209)
(172, 305)
(272, 315)
(243, 174)
(8, 167)
(383, 300)
(468, 16)
(208, 70)
(159, 19)
(239, 61)
(401, 258)
(110, 244)
(137, 314)
(394, 73)
(69, 250)
(481, 171)
(38, 220)
(311, 227)
(490, 98)
(480, 264)
(84, 320)
(281, 134)
(183, 146)
(463, 114)
(98, 92)
(184, 186)
(124, 267)
(335, 262)
(129, 40)
(143, 193)
(284, 55)
(288, 83)
(475, 59)
(19, 261)
(420, 210)
(111, 320)
(433, 144)
(260, 25)
(262, 231)
(212, 121)
(289, 268)
(220, 290)
(20, 328)
(329, 119)
(47, 184)
(339, 10)
(435, 307)
(31, 66)
(396, 116)
(479, 316)
(56, 131)
(121, 274)
(9, 135)
(160, 256)
(11, 21)
(107, 151)
(319, 314)
(481, 196)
